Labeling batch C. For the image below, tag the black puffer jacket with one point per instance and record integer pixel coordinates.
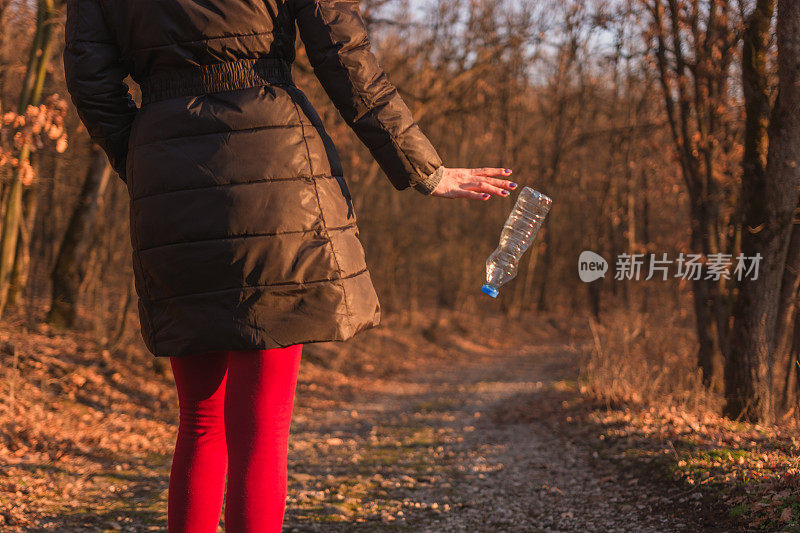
(242, 227)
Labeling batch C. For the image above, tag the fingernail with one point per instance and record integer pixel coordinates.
(485, 196)
(513, 185)
(504, 193)
(507, 171)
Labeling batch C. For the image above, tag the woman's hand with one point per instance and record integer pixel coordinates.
(475, 183)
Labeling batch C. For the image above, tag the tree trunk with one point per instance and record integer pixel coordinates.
(772, 196)
(22, 260)
(789, 287)
(70, 265)
(710, 348)
(791, 362)
(122, 318)
(31, 95)
(546, 262)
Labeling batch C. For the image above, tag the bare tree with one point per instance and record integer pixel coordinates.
(770, 187)
(71, 263)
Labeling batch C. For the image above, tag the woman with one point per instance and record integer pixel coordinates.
(245, 244)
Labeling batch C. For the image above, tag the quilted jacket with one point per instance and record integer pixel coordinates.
(242, 227)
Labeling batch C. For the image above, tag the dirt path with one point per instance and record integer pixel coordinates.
(445, 449)
(471, 438)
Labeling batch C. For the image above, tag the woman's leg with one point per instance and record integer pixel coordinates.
(197, 477)
(258, 411)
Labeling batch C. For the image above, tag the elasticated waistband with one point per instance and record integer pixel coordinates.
(216, 77)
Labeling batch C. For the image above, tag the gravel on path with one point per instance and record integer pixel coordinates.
(440, 449)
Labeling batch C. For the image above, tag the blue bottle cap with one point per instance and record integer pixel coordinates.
(491, 291)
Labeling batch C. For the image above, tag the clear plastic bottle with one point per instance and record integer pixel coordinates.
(518, 234)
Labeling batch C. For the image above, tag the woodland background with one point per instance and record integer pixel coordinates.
(655, 125)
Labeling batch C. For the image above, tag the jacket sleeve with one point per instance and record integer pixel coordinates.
(338, 48)
(95, 71)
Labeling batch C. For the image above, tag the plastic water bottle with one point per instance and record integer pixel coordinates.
(518, 234)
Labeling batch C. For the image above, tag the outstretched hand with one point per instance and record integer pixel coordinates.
(474, 183)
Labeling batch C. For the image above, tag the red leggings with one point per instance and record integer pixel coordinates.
(235, 413)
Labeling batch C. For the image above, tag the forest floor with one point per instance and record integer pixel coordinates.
(428, 427)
